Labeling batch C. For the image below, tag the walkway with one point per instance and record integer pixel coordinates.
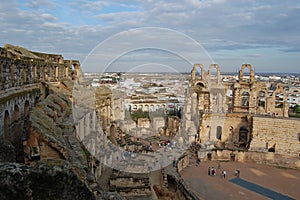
(278, 180)
(259, 189)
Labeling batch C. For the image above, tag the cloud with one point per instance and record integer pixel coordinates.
(76, 27)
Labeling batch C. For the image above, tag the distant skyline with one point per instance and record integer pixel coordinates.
(265, 34)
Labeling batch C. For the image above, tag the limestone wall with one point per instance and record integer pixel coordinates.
(283, 132)
(230, 125)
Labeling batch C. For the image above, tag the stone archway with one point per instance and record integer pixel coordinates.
(6, 125)
(17, 135)
(243, 136)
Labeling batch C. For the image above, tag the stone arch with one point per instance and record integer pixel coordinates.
(245, 98)
(261, 98)
(6, 125)
(279, 91)
(34, 73)
(251, 71)
(200, 84)
(75, 70)
(141, 107)
(194, 70)
(46, 71)
(146, 108)
(135, 107)
(113, 134)
(26, 109)
(66, 71)
(16, 115)
(214, 66)
(56, 73)
(24, 75)
(219, 133)
(243, 136)
(12, 75)
(36, 100)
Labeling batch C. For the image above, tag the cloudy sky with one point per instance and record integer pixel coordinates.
(139, 34)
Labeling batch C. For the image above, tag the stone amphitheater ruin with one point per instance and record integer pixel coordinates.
(47, 151)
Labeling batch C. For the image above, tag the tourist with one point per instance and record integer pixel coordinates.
(224, 174)
(198, 162)
(208, 171)
(213, 171)
(237, 173)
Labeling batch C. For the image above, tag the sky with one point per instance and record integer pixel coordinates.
(158, 35)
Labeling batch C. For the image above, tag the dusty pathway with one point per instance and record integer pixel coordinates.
(283, 181)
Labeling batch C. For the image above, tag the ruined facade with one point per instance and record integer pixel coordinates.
(243, 115)
(22, 75)
(39, 127)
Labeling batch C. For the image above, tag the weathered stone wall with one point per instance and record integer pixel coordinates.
(230, 125)
(182, 162)
(284, 132)
(131, 185)
(21, 74)
(51, 179)
(269, 158)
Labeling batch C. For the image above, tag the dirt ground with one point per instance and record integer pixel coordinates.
(281, 180)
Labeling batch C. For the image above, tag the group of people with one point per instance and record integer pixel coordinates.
(213, 172)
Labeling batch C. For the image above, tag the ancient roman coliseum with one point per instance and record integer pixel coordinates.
(45, 154)
(241, 120)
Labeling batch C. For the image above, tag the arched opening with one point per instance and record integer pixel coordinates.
(45, 73)
(141, 107)
(261, 99)
(279, 99)
(24, 78)
(245, 99)
(66, 72)
(36, 101)
(12, 75)
(146, 108)
(214, 73)
(200, 84)
(34, 73)
(74, 71)
(135, 108)
(243, 136)
(172, 184)
(56, 73)
(113, 134)
(26, 109)
(26, 119)
(6, 125)
(16, 114)
(219, 133)
(245, 73)
(17, 136)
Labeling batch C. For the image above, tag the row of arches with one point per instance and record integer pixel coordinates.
(15, 122)
(18, 73)
(146, 107)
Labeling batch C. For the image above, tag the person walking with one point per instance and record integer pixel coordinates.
(224, 174)
(208, 172)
